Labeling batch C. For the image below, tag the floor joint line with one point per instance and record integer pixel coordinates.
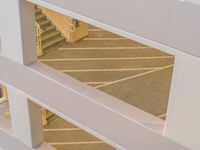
(134, 76)
(77, 143)
(101, 48)
(97, 59)
(109, 70)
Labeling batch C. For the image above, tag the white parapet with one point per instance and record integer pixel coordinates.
(183, 121)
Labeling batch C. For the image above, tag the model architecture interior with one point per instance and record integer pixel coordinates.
(100, 77)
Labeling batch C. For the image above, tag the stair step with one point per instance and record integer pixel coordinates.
(40, 16)
(37, 10)
(44, 22)
(49, 35)
(52, 42)
(48, 28)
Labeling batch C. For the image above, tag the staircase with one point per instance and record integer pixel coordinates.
(51, 37)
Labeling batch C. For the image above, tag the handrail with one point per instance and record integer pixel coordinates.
(39, 32)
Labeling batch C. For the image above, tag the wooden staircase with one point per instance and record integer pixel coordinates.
(50, 35)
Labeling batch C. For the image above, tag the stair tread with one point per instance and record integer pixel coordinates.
(48, 28)
(49, 35)
(40, 16)
(37, 10)
(52, 42)
(44, 22)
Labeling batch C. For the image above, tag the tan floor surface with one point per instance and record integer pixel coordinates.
(128, 70)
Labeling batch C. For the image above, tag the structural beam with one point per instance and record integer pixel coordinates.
(88, 108)
(26, 117)
(174, 23)
(18, 31)
(18, 44)
(183, 121)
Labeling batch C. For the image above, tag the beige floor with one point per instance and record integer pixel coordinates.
(130, 71)
(66, 136)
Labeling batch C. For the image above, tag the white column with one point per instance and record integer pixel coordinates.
(18, 30)
(26, 119)
(183, 117)
(18, 43)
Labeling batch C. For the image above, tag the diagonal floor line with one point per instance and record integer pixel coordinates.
(77, 143)
(110, 70)
(95, 82)
(105, 39)
(61, 129)
(162, 115)
(134, 76)
(95, 29)
(96, 59)
(100, 48)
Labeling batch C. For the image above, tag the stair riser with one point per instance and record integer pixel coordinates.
(46, 23)
(40, 18)
(50, 30)
(53, 44)
(44, 39)
(50, 37)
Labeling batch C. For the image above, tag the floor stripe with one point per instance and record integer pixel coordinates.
(100, 48)
(104, 70)
(62, 129)
(161, 116)
(96, 59)
(93, 30)
(104, 39)
(77, 143)
(95, 82)
(134, 76)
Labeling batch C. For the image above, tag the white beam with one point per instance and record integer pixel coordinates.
(18, 30)
(183, 121)
(26, 118)
(170, 22)
(88, 108)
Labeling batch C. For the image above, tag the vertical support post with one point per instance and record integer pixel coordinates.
(18, 39)
(183, 121)
(26, 119)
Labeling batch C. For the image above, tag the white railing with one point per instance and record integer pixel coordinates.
(88, 108)
(39, 39)
(115, 122)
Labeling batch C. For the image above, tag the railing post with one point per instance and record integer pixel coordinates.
(19, 44)
(183, 121)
